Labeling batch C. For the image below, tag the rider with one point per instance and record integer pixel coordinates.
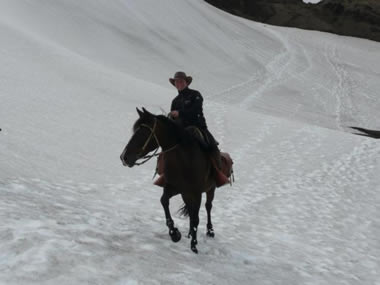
(187, 106)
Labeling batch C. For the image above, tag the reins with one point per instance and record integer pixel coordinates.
(152, 134)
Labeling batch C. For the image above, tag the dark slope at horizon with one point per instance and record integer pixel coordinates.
(357, 18)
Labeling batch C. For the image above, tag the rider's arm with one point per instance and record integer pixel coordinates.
(174, 105)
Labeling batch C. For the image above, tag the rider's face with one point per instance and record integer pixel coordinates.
(180, 84)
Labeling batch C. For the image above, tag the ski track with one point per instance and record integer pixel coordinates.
(341, 89)
(260, 80)
(335, 98)
(291, 64)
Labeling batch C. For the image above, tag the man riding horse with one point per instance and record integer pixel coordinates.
(187, 109)
(187, 154)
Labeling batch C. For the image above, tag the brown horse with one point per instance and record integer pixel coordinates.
(188, 169)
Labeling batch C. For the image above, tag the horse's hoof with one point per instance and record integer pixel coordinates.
(175, 235)
(210, 233)
(193, 246)
(194, 249)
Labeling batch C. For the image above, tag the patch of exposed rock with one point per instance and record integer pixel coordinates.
(357, 18)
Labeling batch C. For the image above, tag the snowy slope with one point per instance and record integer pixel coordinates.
(305, 207)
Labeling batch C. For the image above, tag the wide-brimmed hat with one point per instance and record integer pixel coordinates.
(181, 75)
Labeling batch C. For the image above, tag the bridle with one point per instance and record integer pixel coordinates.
(152, 135)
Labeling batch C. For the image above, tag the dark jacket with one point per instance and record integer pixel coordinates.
(189, 104)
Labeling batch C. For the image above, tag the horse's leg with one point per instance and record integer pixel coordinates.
(193, 207)
(210, 198)
(174, 233)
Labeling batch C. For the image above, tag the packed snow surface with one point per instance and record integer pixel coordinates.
(305, 208)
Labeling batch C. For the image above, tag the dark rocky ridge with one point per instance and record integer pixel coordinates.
(357, 18)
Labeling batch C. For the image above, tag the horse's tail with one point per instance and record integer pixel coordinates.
(184, 210)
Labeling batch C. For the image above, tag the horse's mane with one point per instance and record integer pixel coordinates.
(182, 135)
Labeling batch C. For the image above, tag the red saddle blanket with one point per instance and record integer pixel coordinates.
(227, 163)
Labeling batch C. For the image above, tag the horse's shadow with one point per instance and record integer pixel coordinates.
(367, 133)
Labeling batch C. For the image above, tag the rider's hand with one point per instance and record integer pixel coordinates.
(174, 114)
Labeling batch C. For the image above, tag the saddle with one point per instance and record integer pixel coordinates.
(227, 170)
(199, 136)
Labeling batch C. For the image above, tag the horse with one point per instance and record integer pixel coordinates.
(188, 169)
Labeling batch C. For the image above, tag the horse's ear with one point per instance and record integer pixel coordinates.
(139, 112)
(146, 111)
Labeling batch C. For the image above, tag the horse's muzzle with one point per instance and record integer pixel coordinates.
(126, 162)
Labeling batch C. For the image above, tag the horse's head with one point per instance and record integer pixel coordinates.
(143, 140)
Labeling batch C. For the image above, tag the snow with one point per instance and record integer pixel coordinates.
(305, 205)
(312, 1)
